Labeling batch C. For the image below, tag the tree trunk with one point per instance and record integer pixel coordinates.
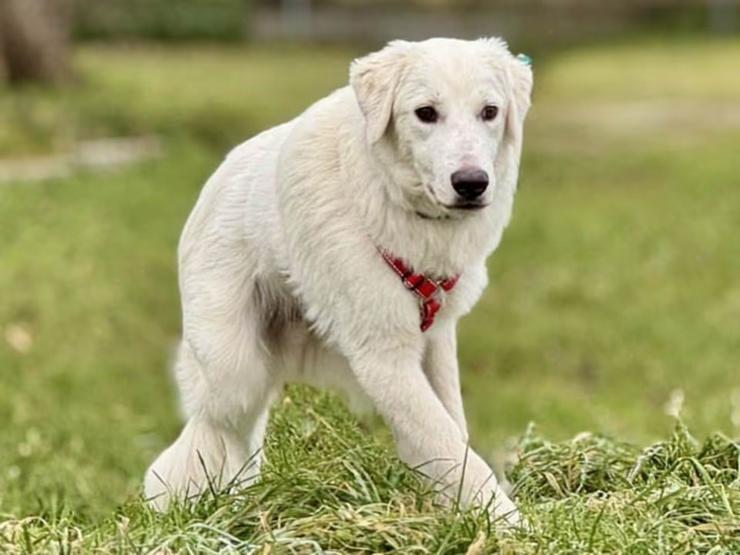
(3, 71)
(34, 41)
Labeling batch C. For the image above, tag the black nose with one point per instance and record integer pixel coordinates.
(470, 182)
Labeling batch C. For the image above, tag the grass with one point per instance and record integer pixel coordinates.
(614, 294)
(215, 94)
(329, 486)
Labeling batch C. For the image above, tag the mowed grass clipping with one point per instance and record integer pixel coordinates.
(613, 306)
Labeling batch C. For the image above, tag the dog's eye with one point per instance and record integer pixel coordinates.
(427, 114)
(489, 113)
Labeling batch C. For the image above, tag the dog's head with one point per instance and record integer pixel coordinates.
(445, 116)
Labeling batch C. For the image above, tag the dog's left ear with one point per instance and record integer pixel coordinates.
(518, 75)
(519, 70)
(375, 78)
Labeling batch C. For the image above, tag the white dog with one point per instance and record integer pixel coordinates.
(340, 249)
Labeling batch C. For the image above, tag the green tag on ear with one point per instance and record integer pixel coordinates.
(526, 60)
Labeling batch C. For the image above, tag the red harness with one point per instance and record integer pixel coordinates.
(425, 288)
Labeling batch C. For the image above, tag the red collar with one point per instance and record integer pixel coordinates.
(425, 288)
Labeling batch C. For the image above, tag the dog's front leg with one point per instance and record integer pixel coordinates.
(442, 371)
(426, 435)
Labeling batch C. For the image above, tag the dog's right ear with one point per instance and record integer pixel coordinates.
(375, 78)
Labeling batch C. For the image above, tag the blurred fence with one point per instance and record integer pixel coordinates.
(220, 20)
(527, 21)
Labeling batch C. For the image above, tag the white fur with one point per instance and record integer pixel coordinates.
(281, 281)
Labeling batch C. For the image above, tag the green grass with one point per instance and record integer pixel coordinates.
(614, 292)
(329, 486)
(215, 94)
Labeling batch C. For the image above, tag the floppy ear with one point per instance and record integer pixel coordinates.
(518, 75)
(375, 79)
(520, 79)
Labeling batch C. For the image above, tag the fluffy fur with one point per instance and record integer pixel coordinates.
(281, 280)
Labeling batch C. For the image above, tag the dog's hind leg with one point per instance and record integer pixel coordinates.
(220, 445)
(226, 387)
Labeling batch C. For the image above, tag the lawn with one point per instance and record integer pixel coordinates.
(614, 304)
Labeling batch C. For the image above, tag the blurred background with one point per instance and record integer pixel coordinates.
(615, 297)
